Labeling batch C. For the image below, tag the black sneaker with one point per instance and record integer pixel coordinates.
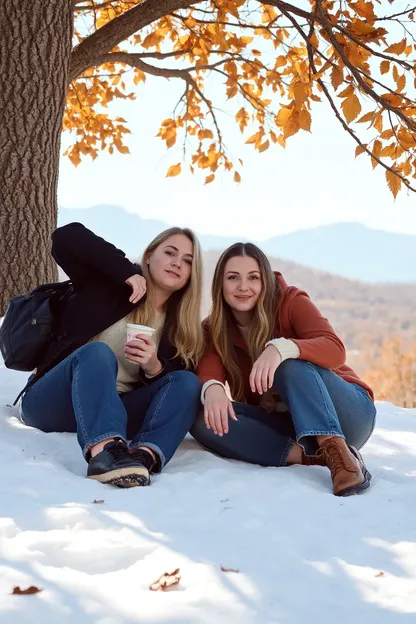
(115, 465)
(146, 459)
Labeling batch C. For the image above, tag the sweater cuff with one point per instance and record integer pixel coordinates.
(205, 387)
(286, 347)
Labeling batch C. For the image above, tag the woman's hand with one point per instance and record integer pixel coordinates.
(264, 368)
(217, 409)
(143, 351)
(138, 286)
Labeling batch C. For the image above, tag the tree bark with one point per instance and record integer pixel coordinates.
(35, 52)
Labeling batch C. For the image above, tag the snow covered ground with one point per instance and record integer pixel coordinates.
(302, 555)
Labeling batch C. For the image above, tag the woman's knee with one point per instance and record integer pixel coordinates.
(188, 382)
(97, 351)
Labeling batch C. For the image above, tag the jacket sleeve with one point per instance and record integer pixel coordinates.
(83, 255)
(315, 337)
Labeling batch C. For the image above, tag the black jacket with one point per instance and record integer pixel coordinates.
(99, 298)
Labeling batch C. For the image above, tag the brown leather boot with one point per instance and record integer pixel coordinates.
(348, 471)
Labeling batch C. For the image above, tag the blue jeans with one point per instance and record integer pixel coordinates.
(79, 395)
(319, 403)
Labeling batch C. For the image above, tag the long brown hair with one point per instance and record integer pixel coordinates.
(183, 308)
(262, 324)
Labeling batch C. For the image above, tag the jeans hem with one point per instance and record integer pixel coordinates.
(283, 460)
(153, 447)
(99, 439)
(309, 447)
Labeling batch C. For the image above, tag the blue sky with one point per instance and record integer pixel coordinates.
(314, 181)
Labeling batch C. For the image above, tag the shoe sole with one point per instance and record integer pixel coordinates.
(124, 477)
(359, 488)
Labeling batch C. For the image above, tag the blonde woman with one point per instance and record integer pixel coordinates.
(92, 383)
(295, 400)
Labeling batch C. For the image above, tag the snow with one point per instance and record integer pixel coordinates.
(302, 554)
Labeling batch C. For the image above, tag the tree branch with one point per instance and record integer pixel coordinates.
(336, 111)
(117, 30)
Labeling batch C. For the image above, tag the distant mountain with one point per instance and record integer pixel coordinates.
(347, 249)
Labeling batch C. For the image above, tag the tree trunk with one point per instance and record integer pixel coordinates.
(35, 52)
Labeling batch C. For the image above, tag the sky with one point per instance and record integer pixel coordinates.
(316, 180)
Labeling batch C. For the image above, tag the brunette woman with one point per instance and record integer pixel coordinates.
(294, 400)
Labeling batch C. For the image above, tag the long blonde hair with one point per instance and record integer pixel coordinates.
(183, 308)
(262, 324)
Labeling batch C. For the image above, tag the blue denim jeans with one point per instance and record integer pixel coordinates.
(79, 395)
(319, 403)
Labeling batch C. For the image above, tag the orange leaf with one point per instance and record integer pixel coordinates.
(359, 150)
(384, 67)
(237, 177)
(209, 178)
(337, 77)
(173, 171)
(264, 146)
(305, 120)
(394, 183)
(376, 151)
(351, 107)
(397, 48)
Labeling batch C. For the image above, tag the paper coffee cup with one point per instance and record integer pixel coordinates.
(132, 330)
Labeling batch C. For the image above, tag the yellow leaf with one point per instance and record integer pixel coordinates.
(351, 107)
(209, 178)
(394, 183)
(173, 171)
(305, 120)
(123, 149)
(237, 177)
(283, 116)
(384, 67)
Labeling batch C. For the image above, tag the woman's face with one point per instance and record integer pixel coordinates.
(242, 283)
(170, 264)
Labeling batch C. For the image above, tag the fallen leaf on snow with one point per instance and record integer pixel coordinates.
(166, 581)
(26, 592)
(379, 574)
(229, 570)
(97, 502)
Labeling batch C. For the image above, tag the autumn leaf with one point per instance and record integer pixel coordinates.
(384, 67)
(167, 581)
(237, 177)
(394, 183)
(229, 570)
(26, 592)
(305, 120)
(397, 48)
(174, 170)
(359, 150)
(351, 107)
(337, 77)
(209, 178)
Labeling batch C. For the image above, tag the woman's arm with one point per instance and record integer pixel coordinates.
(83, 255)
(315, 337)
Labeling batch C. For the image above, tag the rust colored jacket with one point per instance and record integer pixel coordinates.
(302, 322)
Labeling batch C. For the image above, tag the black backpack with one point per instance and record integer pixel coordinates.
(29, 323)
